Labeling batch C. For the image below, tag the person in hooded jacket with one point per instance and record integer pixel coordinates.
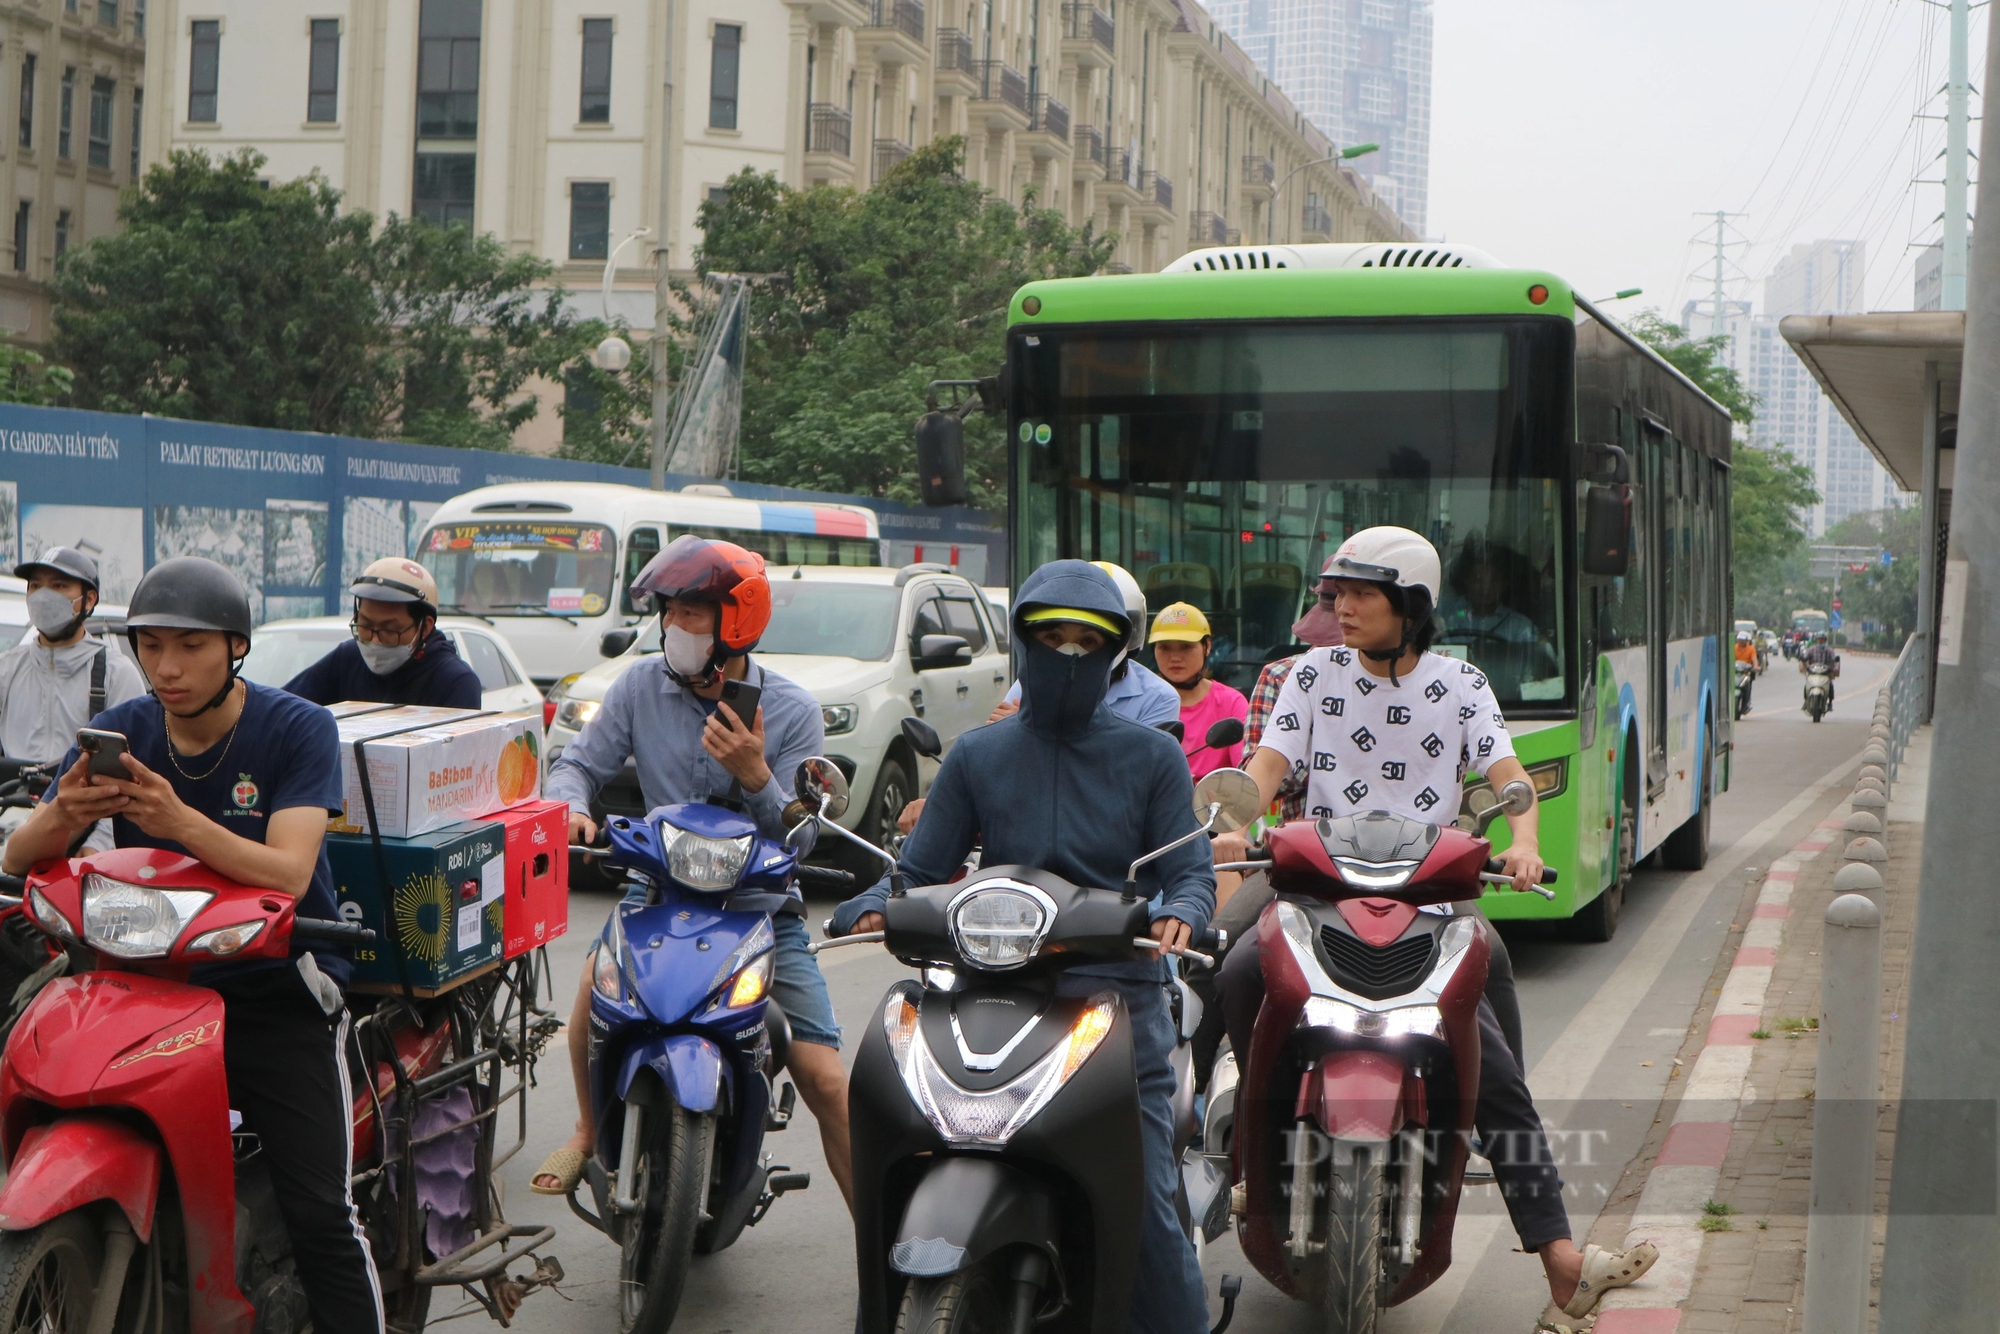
(397, 654)
(59, 676)
(1067, 785)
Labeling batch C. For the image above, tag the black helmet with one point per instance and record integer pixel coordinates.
(191, 593)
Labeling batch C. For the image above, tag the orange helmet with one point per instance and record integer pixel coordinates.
(700, 569)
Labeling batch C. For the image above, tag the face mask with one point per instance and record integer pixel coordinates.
(382, 658)
(1062, 687)
(687, 653)
(53, 614)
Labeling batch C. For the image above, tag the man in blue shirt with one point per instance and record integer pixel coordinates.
(241, 777)
(397, 654)
(715, 603)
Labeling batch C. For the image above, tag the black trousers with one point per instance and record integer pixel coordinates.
(288, 1079)
(1509, 1129)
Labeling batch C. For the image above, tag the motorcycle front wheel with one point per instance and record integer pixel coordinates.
(47, 1276)
(1353, 1244)
(968, 1302)
(672, 1184)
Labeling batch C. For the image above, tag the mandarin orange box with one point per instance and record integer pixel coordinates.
(431, 772)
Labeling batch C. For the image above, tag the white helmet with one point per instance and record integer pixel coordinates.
(1135, 606)
(1388, 555)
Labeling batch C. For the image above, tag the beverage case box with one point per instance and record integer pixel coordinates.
(428, 771)
(537, 894)
(441, 907)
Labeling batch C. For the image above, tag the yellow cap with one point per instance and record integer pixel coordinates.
(1041, 615)
(1182, 622)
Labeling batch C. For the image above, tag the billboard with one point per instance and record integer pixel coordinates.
(297, 515)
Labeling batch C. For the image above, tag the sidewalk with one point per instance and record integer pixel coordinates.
(1723, 1182)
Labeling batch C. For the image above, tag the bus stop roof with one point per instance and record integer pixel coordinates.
(1872, 367)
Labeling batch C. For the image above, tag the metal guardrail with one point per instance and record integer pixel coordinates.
(954, 51)
(1904, 692)
(829, 129)
(906, 16)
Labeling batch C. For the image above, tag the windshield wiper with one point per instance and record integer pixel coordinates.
(538, 609)
(453, 609)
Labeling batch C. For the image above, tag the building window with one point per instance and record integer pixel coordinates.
(323, 81)
(724, 64)
(62, 232)
(589, 219)
(444, 188)
(595, 108)
(66, 111)
(204, 70)
(102, 94)
(448, 70)
(138, 18)
(27, 101)
(21, 236)
(107, 13)
(138, 121)
(718, 196)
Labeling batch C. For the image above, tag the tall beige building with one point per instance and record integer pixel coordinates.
(73, 73)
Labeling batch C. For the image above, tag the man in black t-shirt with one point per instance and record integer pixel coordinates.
(241, 777)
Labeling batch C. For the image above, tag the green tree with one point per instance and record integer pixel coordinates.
(876, 294)
(228, 298)
(1883, 594)
(1700, 359)
(25, 377)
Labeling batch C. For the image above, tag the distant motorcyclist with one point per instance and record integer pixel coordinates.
(1819, 656)
(397, 654)
(1746, 656)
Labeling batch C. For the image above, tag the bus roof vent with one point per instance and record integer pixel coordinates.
(522, 507)
(1235, 258)
(707, 489)
(1334, 255)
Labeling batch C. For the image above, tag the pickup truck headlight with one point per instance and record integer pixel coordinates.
(575, 713)
(837, 717)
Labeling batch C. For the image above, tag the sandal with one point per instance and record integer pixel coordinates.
(1604, 1270)
(565, 1165)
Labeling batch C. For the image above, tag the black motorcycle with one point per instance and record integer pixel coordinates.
(995, 1121)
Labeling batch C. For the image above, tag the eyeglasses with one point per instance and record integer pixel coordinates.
(395, 636)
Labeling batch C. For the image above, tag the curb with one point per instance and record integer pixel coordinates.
(1688, 1171)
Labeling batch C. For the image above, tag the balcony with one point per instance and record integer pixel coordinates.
(1258, 175)
(1316, 222)
(1050, 118)
(1121, 177)
(1156, 193)
(1207, 229)
(1005, 93)
(955, 74)
(829, 145)
(895, 32)
(888, 152)
(1087, 162)
(1087, 35)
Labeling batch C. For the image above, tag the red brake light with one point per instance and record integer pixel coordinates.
(548, 713)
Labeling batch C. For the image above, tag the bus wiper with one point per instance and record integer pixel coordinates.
(538, 609)
(453, 609)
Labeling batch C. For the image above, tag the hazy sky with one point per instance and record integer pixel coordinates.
(1585, 136)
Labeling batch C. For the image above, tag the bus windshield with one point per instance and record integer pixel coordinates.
(515, 567)
(1223, 462)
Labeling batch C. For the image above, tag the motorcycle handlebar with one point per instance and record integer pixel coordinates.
(826, 877)
(859, 938)
(318, 928)
(14, 887)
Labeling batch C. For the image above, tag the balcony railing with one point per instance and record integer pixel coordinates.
(998, 83)
(954, 51)
(905, 16)
(1089, 144)
(1207, 229)
(888, 152)
(829, 129)
(1259, 171)
(1049, 116)
(1157, 188)
(1316, 219)
(1118, 165)
(1088, 22)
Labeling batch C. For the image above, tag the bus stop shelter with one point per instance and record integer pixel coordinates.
(1893, 376)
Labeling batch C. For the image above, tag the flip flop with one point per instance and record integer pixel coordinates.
(566, 1166)
(1604, 1270)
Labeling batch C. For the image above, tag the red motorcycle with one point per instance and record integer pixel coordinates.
(134, 1203)
(1352, 1117)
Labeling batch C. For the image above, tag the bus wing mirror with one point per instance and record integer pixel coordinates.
(1606, 463)
(1607, 530)
(941, 458)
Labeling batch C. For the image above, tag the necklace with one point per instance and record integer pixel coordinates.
(176, 759)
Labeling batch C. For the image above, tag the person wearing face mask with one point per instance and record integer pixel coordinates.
(59, 676)
(1067, 785)
(397, 654)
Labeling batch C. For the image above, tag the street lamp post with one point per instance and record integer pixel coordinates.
(614, 353)
(1344, 155)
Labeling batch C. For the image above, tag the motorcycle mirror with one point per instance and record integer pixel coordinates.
(1234, 795)
(804, 836)
(1225, 733)
(822, 786)
(1175, 729)
(1517, 798)
(923, 738)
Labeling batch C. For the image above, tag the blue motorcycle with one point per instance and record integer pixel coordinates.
(685, 1044)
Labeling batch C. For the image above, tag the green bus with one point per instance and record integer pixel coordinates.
(1219, 428)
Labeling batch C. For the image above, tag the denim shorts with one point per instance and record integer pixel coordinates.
(796, 981)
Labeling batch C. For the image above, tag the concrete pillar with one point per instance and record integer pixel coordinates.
(1839, 1222)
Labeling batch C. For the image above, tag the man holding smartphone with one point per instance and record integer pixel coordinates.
(59, 676)
(703, 723)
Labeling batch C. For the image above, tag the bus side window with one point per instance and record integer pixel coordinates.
(640, 547)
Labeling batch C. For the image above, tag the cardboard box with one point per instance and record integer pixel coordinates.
(349, 708)
(438, 918)
(430, 768)
(537, 875)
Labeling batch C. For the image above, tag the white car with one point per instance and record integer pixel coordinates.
(873, 646)
(280, 650)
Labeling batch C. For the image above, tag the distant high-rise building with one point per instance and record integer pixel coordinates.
(1360, 70)
(1929, 293)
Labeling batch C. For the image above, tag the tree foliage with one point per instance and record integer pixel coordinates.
(1885, 595)
(876, 294)
(229, 298)
(25, 377)
(1700, 359)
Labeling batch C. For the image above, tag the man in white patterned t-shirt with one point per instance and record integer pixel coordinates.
(1382, 724)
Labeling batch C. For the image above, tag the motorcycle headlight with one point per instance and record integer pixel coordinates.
(1402, 1022)
(838, 718)
(710, 865)
(992, 1117)
(136, 921)
(50, 918)
(1000, 925)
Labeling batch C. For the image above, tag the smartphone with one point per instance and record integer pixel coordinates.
(106, 751)
(742, 698)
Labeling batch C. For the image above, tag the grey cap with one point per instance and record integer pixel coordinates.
(67, 561)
